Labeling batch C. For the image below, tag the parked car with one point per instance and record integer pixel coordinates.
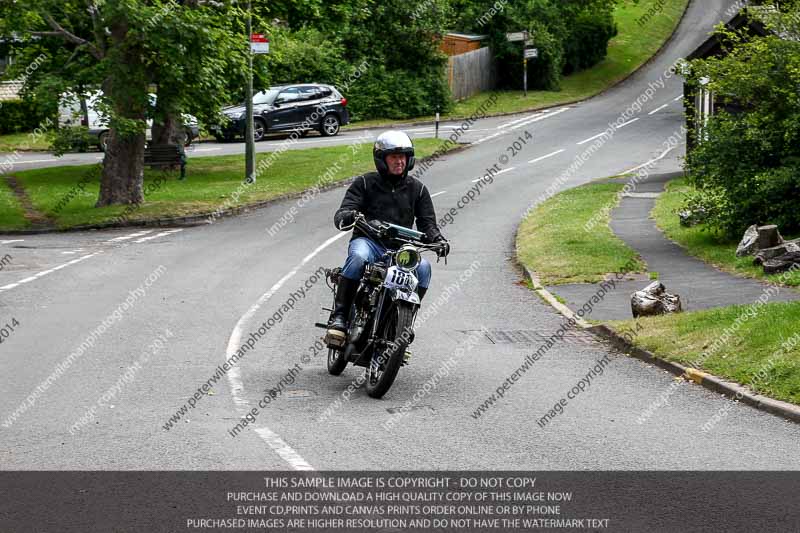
(305, 107)
(69, 114)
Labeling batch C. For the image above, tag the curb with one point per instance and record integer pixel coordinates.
(200, 219)
(729, 389)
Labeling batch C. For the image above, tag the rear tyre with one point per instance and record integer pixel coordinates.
(330, 126)
(383, 368)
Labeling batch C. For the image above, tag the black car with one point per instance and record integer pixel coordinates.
(304, 107)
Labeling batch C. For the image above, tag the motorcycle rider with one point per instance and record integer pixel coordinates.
(390, 195)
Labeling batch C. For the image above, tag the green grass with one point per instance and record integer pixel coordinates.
(23, 141)
(709, 246)
(210, 183)
(10, 210)
(552, 240)
(689, 338)
(628, 51)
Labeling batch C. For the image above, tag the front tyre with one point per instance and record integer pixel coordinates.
(336, 361)
(396, 331)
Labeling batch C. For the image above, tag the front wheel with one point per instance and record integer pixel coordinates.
(336, 361)
(396, 331)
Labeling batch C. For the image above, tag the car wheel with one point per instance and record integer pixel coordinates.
(186, 138)
(104, 140)
(259, 129)
(330, 126)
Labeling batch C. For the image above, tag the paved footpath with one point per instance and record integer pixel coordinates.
(699, 285)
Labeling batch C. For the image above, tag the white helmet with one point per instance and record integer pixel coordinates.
(392, 142)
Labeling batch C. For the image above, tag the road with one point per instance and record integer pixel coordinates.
(203, 290)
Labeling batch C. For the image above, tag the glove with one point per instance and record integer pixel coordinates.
(347, 218)
(444, 251)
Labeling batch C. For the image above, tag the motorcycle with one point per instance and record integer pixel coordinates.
(381, 321)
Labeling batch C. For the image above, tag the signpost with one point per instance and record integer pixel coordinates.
(527, 53)
(258, 45)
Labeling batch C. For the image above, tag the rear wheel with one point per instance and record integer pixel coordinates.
(330, 126)
(396, 331)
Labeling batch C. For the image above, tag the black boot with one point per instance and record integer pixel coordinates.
(337, 328)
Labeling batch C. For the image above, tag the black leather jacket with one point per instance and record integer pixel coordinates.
(401, 201)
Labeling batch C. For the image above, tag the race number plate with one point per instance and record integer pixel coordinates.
(398, 279)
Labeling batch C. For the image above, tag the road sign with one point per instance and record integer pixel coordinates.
(532, 53)
(517, 36)
(259, 44)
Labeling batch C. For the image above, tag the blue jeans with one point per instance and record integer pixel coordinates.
(363, 250)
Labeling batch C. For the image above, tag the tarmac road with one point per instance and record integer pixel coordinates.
(203, 290)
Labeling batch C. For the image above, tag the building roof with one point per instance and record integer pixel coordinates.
(466, 36)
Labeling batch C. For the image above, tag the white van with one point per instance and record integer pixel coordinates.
(69, 114)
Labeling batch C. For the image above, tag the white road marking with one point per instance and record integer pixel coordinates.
(36, 161)
(45, 272)
(540, 116)
(537, 119)
(603, 133)
(203, 150)
(11, 240)
(654, 111)
(501, 126)
(130, 236)
(496, 173)
(662, 156)
(546, 156)
(437, 194)
(591, 138)
(679, 97)
(627, 123)
(492, 136)
(274, 441)
(157, 235)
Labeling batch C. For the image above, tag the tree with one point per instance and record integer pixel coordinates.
(124, 46)
(747, 164)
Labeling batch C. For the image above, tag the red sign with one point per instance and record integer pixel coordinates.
(258, 38)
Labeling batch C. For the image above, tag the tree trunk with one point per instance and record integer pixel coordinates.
(123, 171)
(126, 89)
(168, 125)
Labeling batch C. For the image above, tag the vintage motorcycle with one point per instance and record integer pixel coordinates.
(381, 321)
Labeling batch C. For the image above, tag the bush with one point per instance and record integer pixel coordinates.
(746, 161)
(587, 41)
(70, 139)
(20, 115)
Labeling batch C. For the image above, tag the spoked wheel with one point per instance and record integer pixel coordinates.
(384, 365)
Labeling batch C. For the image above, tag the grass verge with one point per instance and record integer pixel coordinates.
(750, 354)
(552, 240)
(630, 49)
(704, 244)
(23, 142)
(211, 182)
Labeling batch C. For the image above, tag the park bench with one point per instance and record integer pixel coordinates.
(165, 155)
